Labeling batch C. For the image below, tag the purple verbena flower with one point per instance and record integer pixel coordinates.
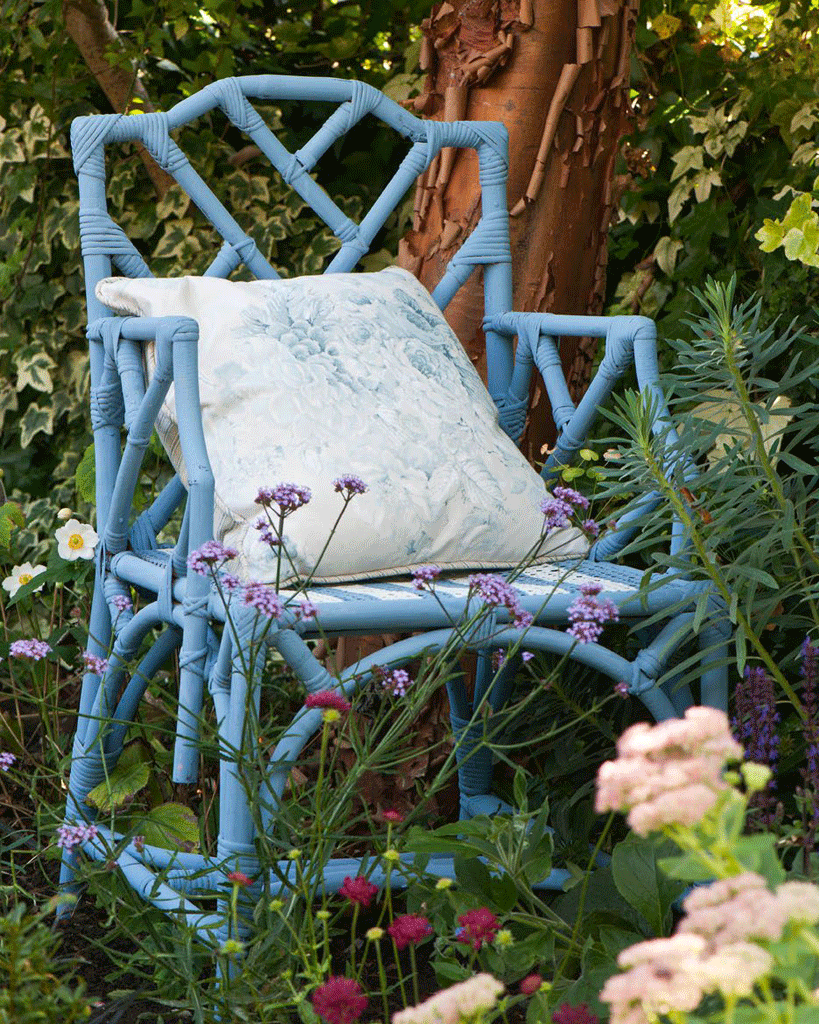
(208, 555)
(93, 663)
(397, 681)
(288, 497)
(264, 599)
(307, 611)
(122, 602)
(555, 514)
(33, 649)
(496, 591)
(570, 496)
(591, 526)
(526, 656)
(230, 583)
(69, 836)
(7, 759)
(348, 485)
(425, 575)
(588, 615)
(266, 534)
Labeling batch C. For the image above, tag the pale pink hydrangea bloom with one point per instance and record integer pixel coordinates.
(664, 976)
(741, 908)
(734, 970)
(668, 773)
(451, 1004)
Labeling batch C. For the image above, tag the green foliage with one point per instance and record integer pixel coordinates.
(35, 986)
(722, 157)
(176, 47)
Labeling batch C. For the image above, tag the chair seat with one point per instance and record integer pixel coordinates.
(545, 590)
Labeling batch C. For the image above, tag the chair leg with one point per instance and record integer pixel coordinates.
(714, 640)
(86, 772)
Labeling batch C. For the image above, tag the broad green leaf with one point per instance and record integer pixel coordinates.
(34, 370)
(171, 826)
(121, 786)
(85, 475)
(11, 516)
(665, 253)
(642, 883)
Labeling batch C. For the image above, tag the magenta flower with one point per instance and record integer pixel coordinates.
(264, 599)
(477, 926)
(348, 485)
(209, 554)
(239, 878)
(7, 759)
(266, 533)
(327, 699)
(394, 817)
(288, 497)
(33, 649)
(573, 1014)
(530, 984)
(339, 1000)
(358, 890)
(409, 929)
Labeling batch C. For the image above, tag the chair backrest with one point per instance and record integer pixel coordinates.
(105, 245)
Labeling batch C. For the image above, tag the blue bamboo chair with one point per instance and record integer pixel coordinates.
(181, 610)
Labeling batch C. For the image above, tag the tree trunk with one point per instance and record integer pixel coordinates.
(101, 48)
(556, 72)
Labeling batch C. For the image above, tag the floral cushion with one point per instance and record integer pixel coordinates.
(307, 379)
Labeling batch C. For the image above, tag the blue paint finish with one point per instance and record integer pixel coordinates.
(182, 610)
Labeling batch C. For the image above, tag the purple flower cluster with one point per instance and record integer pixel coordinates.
(69, 836)
(230, 583)
(287, 497)
(7, 759)
(266, 534)
(754, 725)
(93, 663)
(496, 591)
(810, 676)
(208, 555)
(264, 599)
(588, 615)
(425, 575)
(122, 602)
(348, 485)
(306, 611)
(33, 649)
(397, 681)
(559, 509)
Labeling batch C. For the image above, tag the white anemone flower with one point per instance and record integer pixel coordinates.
(20, 575)
(76, 540)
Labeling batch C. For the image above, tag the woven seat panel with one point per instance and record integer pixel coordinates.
(538, 582)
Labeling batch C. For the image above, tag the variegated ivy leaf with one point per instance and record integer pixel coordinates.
(11, 149)
(174, 203)
(689, 158)
(8, 401)
(677, 199)
(703, 183)
(35, 420)
(665, 253)
(805, 117)
(34, 370)
(177, 237)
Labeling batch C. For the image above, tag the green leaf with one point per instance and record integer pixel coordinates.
(689, 158)
(474, 876)
(35, 420)
(642, 883)
(85, 476)
(171, 826)
(121, 786)
(11, 515)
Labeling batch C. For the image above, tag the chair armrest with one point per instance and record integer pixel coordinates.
(119, 397)
(628, 339)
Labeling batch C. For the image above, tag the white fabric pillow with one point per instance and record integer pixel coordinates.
(306, 379)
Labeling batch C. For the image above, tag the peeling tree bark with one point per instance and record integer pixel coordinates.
(101, 48)
(556, 73)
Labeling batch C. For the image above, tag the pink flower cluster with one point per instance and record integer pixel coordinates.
(715, 948)
(208, 555)
(7, 759)
(288, 497)
(328, 699)
(668, 773)
(409, 930)
(69, 836)
(94, 663)
(463, 1001)
(358, 890)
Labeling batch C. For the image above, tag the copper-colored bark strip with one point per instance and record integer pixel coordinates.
(585, 45)
(455, 98)
(565, 84)
(588, 16)
(98, 41)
